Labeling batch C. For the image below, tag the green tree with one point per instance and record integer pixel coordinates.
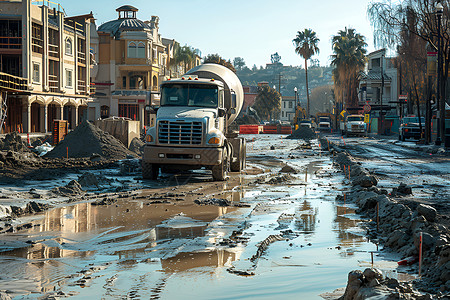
(217, 59)
(185, 56)
(239, 63)
(306, 46)
(348, 60)
(267, 102)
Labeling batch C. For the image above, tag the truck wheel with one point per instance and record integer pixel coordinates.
(150, 171)
(220, 171)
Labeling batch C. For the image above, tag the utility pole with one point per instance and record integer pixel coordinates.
(381, 95)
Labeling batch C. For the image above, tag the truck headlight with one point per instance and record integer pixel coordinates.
(214, 141)
(148, 138)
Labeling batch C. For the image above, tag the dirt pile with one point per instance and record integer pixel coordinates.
(302, 133)
(13, 142)
(246, 120)
(87, 139)
(73, 188)
(137, 146)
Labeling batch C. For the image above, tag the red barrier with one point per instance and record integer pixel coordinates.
(249, 129)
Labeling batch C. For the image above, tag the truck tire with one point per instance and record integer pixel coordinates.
(150, 171)
(239, 152)
(220, 171)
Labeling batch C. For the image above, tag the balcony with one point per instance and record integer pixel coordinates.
(11, 82)
(81, 58)
(10, 42)
(53, 83)
(53, 51)
(81, 86)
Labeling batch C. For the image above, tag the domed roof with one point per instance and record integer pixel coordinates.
(127, 21)
(116, 26)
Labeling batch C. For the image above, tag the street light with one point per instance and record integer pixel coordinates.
(441, 102)
(295, 93)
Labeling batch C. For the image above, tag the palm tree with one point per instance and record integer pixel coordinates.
(185, 56)
(306, 46)
(348, 59)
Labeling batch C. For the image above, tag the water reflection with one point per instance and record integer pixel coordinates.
(305, 217)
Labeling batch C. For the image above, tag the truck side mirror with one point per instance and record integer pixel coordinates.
(222, 112)
(233, 100)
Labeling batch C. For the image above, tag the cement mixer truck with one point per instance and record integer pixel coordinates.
(191, 130)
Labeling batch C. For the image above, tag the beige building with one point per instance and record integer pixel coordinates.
(132, 61)
(51, 52)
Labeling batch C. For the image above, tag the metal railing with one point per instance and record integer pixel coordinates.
(10, 42)
(81, 85)
(81, 57)
(50, 4)
(53, 83)
(53, 50)
(11, 82)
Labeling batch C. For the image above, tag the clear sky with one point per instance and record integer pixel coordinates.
(251, 29)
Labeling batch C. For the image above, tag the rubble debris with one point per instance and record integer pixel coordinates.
(262, 247)
(213, 201)
(280, 179)
(130, 166)
(288, 169)
(371, 284)
(137, 146)
(13, 142)
(87, 139)
(401, 190)
(73, 188)
(303, 133)
(427, 211)
(104, 201)
(233, 270)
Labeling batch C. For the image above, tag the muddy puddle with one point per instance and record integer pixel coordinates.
(288, 239)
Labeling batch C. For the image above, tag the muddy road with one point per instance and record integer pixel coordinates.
(262, 234)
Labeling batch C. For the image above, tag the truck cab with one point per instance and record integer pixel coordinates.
(190, 131)
(354, 125)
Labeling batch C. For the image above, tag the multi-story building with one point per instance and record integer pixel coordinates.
(51, 52)
(132, 61)
(288, 105)
(375, 89)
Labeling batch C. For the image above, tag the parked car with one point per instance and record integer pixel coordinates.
(410, 128)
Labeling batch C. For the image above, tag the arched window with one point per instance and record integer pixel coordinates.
(132, 50)
(68, 46)
(141, 50)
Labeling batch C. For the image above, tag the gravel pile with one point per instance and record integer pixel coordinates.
(302, 133)
(87, 140)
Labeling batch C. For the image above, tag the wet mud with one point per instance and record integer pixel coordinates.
(258, 235)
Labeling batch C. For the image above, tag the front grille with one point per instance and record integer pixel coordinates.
(180, 133)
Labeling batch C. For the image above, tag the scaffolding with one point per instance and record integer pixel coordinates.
(9, 83)
(3, 109)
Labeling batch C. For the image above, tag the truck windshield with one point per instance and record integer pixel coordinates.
(356, 118)
(202, 95)
(413, 120)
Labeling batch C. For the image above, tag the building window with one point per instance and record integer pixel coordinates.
(36, 73)
(284, 104)
(136, 50)
(124, 82)
(68, 78)
(129, 111)
(132, 49)
(141, 50)
(104, 111)
(290, 104)
(69, 46)
(282, 114)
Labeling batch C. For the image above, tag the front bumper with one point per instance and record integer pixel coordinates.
(182, 155)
